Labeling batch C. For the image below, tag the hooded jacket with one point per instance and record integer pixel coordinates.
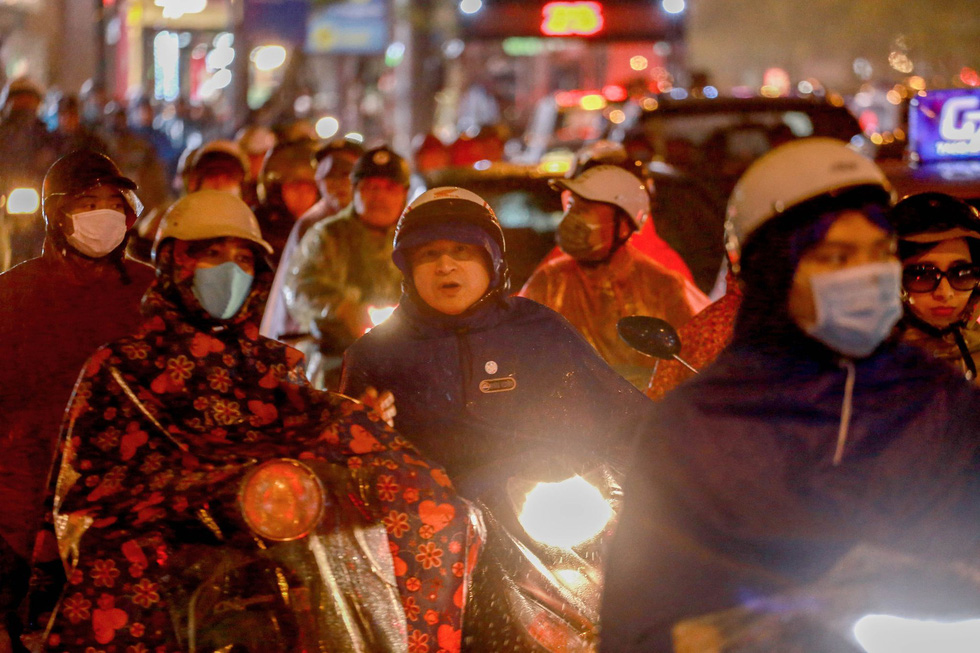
(54, 312)
(160, 422)
(510, 378)
(735, 495)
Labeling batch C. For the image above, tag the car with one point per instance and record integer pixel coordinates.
(708, 143)
(565, 120)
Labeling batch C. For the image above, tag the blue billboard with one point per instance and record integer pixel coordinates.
(945, 125)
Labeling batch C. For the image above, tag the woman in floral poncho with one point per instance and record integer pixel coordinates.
(157, 420)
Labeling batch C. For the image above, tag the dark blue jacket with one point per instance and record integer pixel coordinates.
(513, 377)
(734, 494)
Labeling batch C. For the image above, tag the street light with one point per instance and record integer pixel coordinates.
(470, 7)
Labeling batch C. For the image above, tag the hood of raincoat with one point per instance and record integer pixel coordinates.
(735, 495)
(768, 264)
(173, 290)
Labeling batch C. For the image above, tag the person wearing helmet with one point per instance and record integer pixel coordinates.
(342, 266)
(647, 238)
(54, 310)
(27, 149)
(255, 141)
(481, 378)
(286, 190)
(334, 163)
(216, 165)
(811, 433)
(152, 409)
(601, 278)
(71, 133)
(939, 244)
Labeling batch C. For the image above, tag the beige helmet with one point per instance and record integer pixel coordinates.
(789, 175)
(612, 185)
(209, 214)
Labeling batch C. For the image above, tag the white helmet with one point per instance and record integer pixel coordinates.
(612, 185)
(209, 214)
(789, 175)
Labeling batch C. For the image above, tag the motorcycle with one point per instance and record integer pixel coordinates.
(278, 558)
(21, 226)
(873, 601)
(538, 583)
(286, 563)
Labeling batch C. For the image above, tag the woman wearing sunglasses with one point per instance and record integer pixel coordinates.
(939, 244)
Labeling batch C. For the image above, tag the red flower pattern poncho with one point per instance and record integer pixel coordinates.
(160, 419)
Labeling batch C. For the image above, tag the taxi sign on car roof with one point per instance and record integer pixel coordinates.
(944, 125)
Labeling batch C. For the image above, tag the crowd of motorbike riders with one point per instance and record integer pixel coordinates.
(153, 358)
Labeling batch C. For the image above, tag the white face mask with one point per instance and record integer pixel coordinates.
(96, 233)
(857, 307)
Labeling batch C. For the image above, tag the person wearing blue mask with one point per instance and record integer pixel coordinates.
(196, 383)
(814, 432)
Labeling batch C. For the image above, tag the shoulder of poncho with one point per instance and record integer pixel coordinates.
(343, 220)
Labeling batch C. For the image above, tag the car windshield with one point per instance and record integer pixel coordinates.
(716, 141)
(742, 136)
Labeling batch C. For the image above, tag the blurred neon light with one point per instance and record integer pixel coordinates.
(572, 19)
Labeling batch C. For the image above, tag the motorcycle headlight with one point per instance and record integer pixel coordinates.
(878, 633)
(565, 514)
(281, 499)
(23, 201)
(378, 314)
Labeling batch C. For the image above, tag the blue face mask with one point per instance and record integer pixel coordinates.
(857, 307)
(222, 290)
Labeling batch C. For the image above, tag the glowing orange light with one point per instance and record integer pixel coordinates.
(281, 499)
(572, 19)
(969, 76)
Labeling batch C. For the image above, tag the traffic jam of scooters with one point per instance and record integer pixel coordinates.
(318, 402)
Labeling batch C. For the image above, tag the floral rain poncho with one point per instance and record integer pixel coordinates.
(213, 392)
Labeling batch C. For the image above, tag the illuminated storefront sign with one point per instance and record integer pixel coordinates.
(352, 27)
(945, 125)
(572, 19)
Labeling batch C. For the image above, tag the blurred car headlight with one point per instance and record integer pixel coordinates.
(881, 633)
(23, 201)
(282, 499)
(565, 514)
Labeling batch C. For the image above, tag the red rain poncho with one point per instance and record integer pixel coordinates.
(211, 391)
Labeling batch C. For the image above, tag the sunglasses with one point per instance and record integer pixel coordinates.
(926, 278)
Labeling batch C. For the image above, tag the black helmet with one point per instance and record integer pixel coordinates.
(450, 213)
(79, 171)
(381, 162)
(285, 162)
(932, 217)
(336, 158)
